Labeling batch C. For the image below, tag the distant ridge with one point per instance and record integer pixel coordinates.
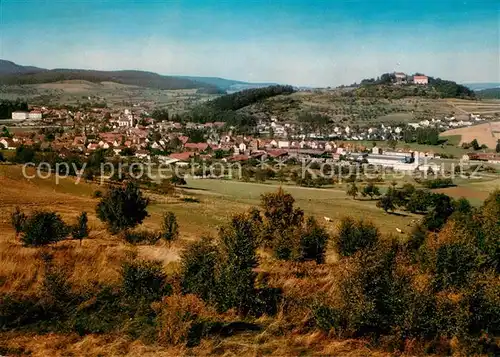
(11, 74)
(228, 84)
(482, 86)
(15, 74)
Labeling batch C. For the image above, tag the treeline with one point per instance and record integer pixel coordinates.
(450, 89)
(138, 78)
(490, 93)
(427, 136)
(225, 109)
(9, 106)
(247, 97)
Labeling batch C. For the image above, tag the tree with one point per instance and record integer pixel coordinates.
(443, 208)
(352, 190)
(418, 201)
(392, 143)
(198, 263)
(2, 159)
(370, 190)
(18, 219)
(122, 208)
(387, 202)
(43, 228)
(475, 145)
(235, 271)
(81, 230)
(313, 241)
(24, 154)
(279, 213)
(144, 280)
(177, 180)
(170, 227)
(354, 235)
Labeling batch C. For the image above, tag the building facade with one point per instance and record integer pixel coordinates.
(19, 115)
(421, 80)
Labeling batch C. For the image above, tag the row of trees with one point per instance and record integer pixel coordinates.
(426, 136)
(247, 97)
(43, 227)
(9, 106)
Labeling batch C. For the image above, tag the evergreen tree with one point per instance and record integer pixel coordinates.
(81, 230)
(122, 208)
(18, 219)
(352, 190)
(170, 227)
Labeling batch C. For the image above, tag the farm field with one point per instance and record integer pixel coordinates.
(487, 133)
(73, 92)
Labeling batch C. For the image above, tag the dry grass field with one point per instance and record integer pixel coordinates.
(99, 258)
(487, 133)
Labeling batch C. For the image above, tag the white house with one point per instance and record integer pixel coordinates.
(19, 115)
(283, 144)
(35, 115)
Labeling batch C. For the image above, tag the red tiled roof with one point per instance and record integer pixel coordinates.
(276, 153)
(239, 158)
(196, 146)
(183, 156)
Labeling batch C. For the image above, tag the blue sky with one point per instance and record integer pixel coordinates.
(317, 43)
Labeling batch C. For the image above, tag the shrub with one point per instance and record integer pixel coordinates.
(55, 284)
(177, 318)
(313, 241)
(354, 235)
(43, 228)
(144, 280)
(234, 273)
(190, 200)
(372, 293)
(170, 227)
(198, 269)
(122, 208)
(326, 318)
(438, 183)
(453, 264)
(279, 214)
(142, 237)
(18, 220)
(97, 194)
(81, 230)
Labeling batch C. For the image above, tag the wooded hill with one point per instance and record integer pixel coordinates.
(13, 74)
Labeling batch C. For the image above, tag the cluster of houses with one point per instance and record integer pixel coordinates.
(449, 122)
(133, 132)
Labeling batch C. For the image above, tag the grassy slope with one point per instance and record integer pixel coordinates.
(99, 259)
